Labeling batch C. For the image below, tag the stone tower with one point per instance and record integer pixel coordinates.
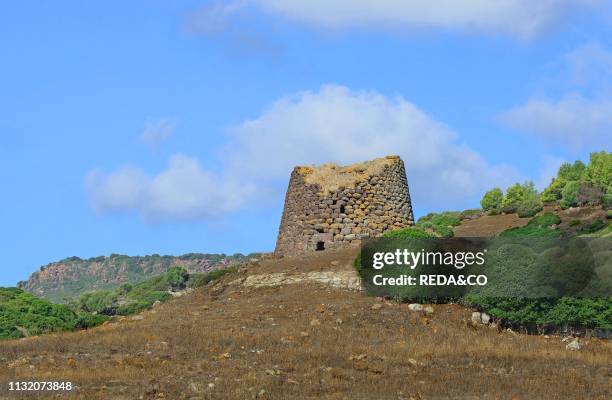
(331, 206)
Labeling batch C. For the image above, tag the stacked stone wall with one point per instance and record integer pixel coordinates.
(315, 219)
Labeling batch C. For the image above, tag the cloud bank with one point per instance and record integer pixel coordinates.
(581, 117)
(520, 18)
(573, 120)
(182, 192)
(335, 124)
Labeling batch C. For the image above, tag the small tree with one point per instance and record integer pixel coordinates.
(177, 277)
(492, 200)
(569, 196)
(530, 206)
(553, 192)
(599, 171)
(572, 172)
(516, 194)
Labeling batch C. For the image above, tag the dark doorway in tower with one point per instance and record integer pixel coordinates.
(320, 246)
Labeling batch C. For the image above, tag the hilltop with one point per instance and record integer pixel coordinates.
(74, 276)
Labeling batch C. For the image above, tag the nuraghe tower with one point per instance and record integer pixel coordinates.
(331, 206)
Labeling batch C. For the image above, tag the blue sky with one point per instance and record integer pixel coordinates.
(171, 127)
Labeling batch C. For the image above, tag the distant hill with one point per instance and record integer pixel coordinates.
(74, 276)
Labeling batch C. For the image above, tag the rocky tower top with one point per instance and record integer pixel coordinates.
(331, 206)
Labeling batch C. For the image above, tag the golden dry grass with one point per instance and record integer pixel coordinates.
(306, 341)
(330, 177)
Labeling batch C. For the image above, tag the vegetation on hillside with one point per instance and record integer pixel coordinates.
(588, 312)
(74, 276)
(129, 299)
(563, 311)
(578, 184)
(540, 226)
(440, 224)
(23, 314)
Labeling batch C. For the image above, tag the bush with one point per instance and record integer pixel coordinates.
(569, 195)
(595, 226)
(440, 223)
(35, 315)
(529, 207)
(539, 226)
(545, 220)
(561, 312)
(177, 277)
(473, 212)
(198, 280)
(575, 222)
(412, 232)
(589, 194)
(492, 200)
(606, 201)
(87, 321)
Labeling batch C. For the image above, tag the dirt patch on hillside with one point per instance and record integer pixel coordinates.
(489, 225)
(304, 341)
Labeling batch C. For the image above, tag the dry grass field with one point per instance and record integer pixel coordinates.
(304, 341)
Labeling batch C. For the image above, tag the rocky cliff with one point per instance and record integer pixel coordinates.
(73, 276)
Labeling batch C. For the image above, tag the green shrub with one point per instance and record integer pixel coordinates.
(539, 226)
(561, 312)
(125, 288)
(569, 195)
(575, 222)
(445, 218)
(529, 207)
(35, 315)
(87, 321)
(411, 232)
(198, 280)
(469, 213)
(595, 226)
(492, 200)
(177, 277)
(440, 223)
(545, 220)
(606, 201)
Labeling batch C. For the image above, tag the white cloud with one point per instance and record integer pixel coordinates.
(184, 191)
(157, 131)
(574, 120)
(522, 18)
(332, 124)
(345, 126)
